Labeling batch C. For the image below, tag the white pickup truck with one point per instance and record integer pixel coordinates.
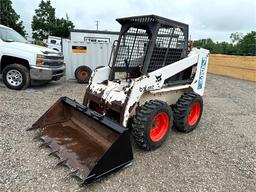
(21, 63)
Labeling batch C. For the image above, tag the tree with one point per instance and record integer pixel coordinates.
(235, 37)
(247, 45)
(43, 20)
(224, 48)
(240, 45)
(10, 18)
(205, 43)
(45, 23)
(62, 27)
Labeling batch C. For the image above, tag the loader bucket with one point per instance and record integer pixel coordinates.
(90, 144)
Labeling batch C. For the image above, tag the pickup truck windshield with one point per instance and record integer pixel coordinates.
(10, 35)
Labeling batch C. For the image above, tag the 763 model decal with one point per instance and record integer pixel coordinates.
(202, 73)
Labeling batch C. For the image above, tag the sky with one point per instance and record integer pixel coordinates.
(216, 19)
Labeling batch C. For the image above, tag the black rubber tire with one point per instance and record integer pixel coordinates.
(25, 76)
(143, 122)
(182, 109)
(83, 74)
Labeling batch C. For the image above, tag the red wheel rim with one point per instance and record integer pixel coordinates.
(194, 113)
(160, 126)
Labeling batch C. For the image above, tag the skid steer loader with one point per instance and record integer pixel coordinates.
(152, 83)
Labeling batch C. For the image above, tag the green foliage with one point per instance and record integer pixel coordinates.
(240, 45)
(235, 37)
(39, 42)
(247, 45)
(62, 27)
(10, 18)
(205, 43)
(43, 20)
(45, 23)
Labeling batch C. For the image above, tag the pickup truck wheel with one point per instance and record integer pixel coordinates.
(16, 76)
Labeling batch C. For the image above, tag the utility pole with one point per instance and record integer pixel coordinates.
(97, 24)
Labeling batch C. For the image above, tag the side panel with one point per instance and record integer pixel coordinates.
(159, 76)
(155, 80)
(130, 93)
(10, 49)
(198, 84)
(169, 97)
(100, 75)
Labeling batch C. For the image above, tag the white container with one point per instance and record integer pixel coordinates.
(87, 48)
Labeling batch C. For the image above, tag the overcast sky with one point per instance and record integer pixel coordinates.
(206, 18)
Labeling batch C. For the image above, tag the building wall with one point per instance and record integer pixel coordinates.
(241, 67)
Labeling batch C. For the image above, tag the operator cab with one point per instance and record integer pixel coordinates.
(147, 43)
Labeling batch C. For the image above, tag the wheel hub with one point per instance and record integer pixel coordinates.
(160, 126)
(14, 77)
(194, 113)
(83, 74)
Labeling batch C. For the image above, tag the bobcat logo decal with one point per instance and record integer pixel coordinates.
(158, 78)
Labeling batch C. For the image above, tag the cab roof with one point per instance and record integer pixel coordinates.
(151, 18)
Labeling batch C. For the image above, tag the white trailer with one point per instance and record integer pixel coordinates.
(85, 51)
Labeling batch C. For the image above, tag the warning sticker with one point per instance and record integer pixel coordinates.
(79, 49)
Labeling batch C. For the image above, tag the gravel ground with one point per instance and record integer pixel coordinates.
(220, 155)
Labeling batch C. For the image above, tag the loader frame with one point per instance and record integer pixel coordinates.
(112, 94)
(141, 92)
(150, 59)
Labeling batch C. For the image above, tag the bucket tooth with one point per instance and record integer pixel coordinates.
(82, 184)
(54, 152)
(31, 128)
(38, 137)
(44, 144)
(74, 174)
(62, 162)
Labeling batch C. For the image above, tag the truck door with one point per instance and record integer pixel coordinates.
(1, 45)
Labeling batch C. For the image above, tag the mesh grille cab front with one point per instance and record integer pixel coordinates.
(147, 43)
(132, 48)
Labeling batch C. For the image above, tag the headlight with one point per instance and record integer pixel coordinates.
(39, 56)
(39, 59)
